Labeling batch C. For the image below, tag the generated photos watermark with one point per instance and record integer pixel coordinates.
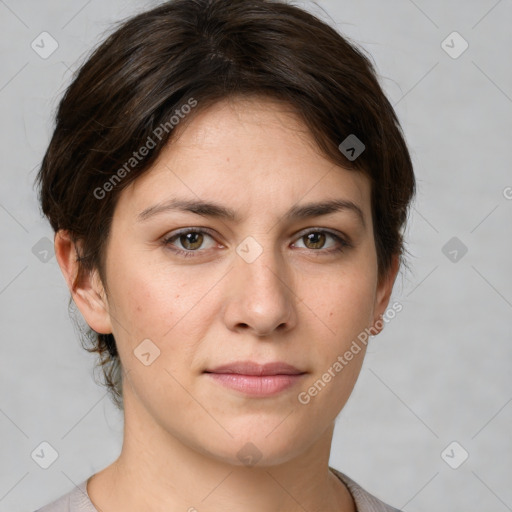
(304, 397)
(143, 151)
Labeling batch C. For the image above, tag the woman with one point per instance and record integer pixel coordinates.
(228, 185)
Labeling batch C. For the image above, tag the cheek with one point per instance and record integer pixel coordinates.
(161, 303)
(342, 303)
(345, 305)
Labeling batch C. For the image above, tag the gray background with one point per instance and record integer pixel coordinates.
(439, 372)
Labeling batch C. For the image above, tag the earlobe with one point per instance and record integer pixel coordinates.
(88, 293)
(384, 289)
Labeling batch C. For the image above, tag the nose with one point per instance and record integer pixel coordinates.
(261, 297)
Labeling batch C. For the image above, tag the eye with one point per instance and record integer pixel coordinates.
(316, 239)
(190, 240)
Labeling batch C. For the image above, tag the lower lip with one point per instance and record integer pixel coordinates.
(256, 385)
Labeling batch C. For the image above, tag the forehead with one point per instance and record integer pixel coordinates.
(250, 152)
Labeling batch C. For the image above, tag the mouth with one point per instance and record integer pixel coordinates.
(256, 379)
(260, 370)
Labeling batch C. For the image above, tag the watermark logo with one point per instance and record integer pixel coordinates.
(454, 455)
(249, 454)
(249, 249)
(44, 455)
(45, 45)
(146, 352)
(351, 147)
(43, 250)
(454, 45)
(454, 249)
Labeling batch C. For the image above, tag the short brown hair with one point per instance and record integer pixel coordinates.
(155, 62)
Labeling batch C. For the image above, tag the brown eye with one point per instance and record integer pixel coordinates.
(315, 240)
(191, 241)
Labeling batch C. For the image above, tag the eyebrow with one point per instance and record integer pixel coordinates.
(210, 209)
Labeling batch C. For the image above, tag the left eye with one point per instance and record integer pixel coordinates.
(316, 239)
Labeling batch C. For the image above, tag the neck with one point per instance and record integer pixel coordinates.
(158, 471)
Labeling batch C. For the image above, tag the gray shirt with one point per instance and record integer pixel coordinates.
(78, 500)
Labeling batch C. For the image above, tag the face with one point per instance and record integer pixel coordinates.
(254, 277)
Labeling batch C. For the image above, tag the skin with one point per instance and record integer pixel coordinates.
(297, 302)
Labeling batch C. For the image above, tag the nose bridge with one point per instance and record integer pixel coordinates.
(266, 274)
(262, 268)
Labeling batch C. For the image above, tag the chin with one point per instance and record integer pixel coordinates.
(260, 444)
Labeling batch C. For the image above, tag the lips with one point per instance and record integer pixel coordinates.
(253, 368)
(255, 379)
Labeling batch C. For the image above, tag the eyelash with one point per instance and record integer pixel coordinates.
(167, 242)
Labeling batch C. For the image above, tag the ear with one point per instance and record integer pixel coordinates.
(383, 294)
(88, 294)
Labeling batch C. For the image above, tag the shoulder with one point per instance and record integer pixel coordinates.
(76, 500)
(365, 502)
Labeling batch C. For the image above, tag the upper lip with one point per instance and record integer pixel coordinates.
(253, 368)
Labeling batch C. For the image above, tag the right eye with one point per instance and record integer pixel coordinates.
(190, 239)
